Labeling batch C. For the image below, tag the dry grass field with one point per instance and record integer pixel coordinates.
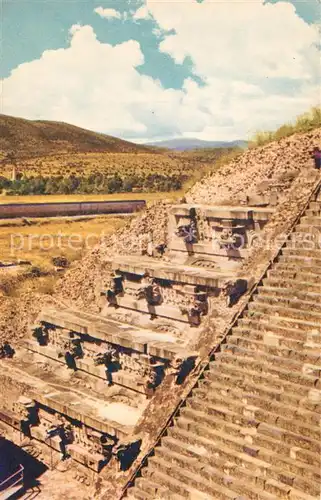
(31, 241)
(43, 240)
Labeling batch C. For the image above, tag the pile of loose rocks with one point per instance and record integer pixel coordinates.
(82, 284)
(17, 313)
(258, 171)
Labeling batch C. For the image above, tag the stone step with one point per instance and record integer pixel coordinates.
(307, 228)
(188, 484)
(290, 294)
(195, 434)
(244, 403)
(294, 329)
(313, 370)
(242, 481)
(314, 220)
(313, 212)
(247, 361)
(315, 205)
(211, 448)
(237, 464)
(173, 487)
(314, 252)
(223, 381)
(138, 494)
(303, 355)
(302, 266)
(150, 489)
(221, 416)
(292, 284)
(298, 327)
(298, 259)
(263, 306)
(307, 306)
(247, 414)
(196, 465)
(303, 241)
(277, 338)
(256, 441)
(281, 270)
(205, 478)
(254, 385)
(309, 398)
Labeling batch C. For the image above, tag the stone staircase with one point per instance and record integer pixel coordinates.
(250, 429)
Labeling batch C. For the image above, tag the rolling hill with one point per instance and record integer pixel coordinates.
(27, 139)
(46, 149)
(186, 144)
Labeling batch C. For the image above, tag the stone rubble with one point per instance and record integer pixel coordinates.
(257, 171)
(82, 284)
(18, 312)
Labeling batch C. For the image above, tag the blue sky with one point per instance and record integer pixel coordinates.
(175, 56)
(42, 25)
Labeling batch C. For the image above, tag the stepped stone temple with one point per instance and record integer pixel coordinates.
(196, 375)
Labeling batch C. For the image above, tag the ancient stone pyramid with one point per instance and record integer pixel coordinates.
(181, 358)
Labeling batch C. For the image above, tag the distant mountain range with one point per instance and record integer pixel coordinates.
(182, 144)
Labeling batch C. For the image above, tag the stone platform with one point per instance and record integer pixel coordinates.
(215, 233)
(163, 270)
(56, 390)
(62, 401)
(163, 289)
(142, 340)
(106, 351)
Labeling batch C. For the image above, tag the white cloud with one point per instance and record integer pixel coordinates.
(158, 32)
(74, 28)
(258, 62)
(141, 13)
(108, 13)
(249, 39)
(95, 85)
